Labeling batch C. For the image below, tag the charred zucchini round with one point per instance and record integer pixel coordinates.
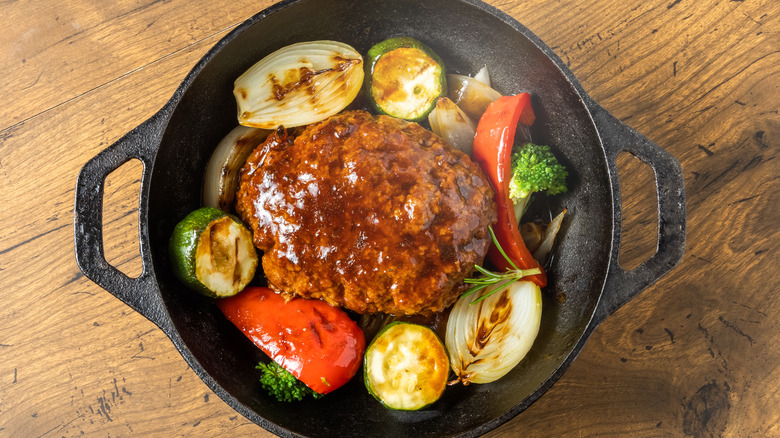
(406, 367)
(212, 253)
(404, 78)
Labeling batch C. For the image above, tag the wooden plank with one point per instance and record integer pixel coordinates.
(57, 51)
(74, 358)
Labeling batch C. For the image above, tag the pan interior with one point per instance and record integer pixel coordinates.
(467, 37)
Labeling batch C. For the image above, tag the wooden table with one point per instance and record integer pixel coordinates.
(696, 354)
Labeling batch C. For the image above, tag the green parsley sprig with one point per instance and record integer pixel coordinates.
(281, 384)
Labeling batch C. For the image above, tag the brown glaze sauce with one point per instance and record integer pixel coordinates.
(229, 175)
(370, 213)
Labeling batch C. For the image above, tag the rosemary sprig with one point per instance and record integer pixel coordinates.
(491, 278)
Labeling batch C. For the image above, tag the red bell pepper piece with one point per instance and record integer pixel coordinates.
(493, 152)
(316, 342)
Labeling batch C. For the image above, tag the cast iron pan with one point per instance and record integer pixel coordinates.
(175, 144)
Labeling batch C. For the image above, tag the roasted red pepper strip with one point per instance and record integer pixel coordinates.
(316, 342)
(493, 152)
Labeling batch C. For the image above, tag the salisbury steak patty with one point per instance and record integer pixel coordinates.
(371, 213)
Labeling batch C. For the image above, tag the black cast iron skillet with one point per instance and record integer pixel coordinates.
(175, 144)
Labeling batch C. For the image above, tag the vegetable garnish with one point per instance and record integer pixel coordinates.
(404, 77)
(283, 385)
(472, 95)
(499, 280)
(486, 341)
(534, 169)
(317, 343)
(220, 181)
(299, 84)
(212, 253)
(492, 151)
(483, 76)
(406, 367)
(542, 251)
(449, 122)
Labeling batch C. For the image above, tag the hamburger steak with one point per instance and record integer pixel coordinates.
(371, 213)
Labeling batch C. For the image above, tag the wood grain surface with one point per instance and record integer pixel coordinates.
(696, 354)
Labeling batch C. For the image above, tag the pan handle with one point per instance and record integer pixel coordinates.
(621, 285)
(139, 293)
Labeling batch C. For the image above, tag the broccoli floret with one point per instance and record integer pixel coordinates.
(534, 169)
(283, 385)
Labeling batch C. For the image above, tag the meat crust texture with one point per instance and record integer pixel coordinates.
(371, 213)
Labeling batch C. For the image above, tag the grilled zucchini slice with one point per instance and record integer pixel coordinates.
(406, 367)
(212, 253)
(404, 78)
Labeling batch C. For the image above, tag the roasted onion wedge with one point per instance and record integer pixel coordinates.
(471, 95)
(488, 338)
(542, 253)
(483, 75)
(299, 84)
(449, 122)
(220, 180)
